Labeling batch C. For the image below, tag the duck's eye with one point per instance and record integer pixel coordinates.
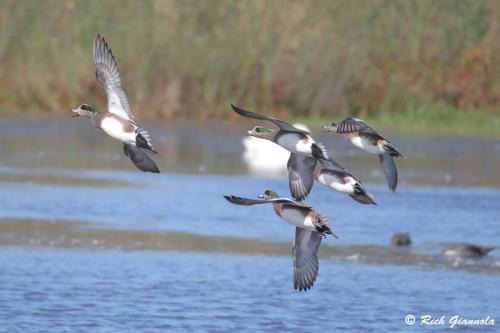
(84, 107)
(267, 192)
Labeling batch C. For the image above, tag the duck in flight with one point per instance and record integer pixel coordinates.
(310, 228)
(291, 138)
(118, 122)
(303, 170)
(363, 136)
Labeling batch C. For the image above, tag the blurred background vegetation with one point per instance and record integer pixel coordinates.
(418, 64)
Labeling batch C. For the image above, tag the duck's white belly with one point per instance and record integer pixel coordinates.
(114, 129)
(295, 144)
(296, 218)
(366, 145)
(335, 183)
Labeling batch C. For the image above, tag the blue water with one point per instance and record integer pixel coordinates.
(89, 244)
(114, 291)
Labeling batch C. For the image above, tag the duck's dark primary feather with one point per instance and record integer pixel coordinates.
(390, 170)
(140, 158)
(305, 258)
(284, 126)
(300, 175)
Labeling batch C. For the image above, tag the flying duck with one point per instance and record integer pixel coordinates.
(310, 228)
(303, 170)
(467, 251)
(118, 122)
(363, 136)
(287, 136)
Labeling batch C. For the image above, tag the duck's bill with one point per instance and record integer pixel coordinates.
(260, 196)
(329, 128)
(249, 133)
(74, 113)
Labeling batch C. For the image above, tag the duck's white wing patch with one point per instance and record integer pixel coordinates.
(107, 74)
(305, 258)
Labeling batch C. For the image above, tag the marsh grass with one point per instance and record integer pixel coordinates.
(312, 58)
(438, 120)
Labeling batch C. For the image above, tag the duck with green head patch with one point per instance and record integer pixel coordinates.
(357, 132)
(118, 122)
(287, 136)
(310, 228)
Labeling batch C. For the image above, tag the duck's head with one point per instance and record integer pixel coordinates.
(84, 110)
(330, 128)
(261, 132)
(269, 194)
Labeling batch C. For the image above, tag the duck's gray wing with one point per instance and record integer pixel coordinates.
(390, 171)
(353, 125)
(280, 123)
(245, 201)
(305, 258)
(332, 165)
(300, 175)
(106, 72)
(140, 158)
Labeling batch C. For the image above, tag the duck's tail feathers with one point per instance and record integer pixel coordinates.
(393, 151)
(390, 171)
(323, 227)
(143, 140)
(366, 198)
(319, 151)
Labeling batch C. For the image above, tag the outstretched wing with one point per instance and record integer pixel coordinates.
(353, 125)
(140, 158)
(305, 258)
(300, 175)
(250, 202)
(244, 201)
(390, 170)
(106, 72)
(280, 123)
(332, 165)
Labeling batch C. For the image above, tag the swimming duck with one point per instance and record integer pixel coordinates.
(118, 122)
(303, 170)
(310, 228)
(467, 251)
(287, 136)
(401, 239)
(363, 136)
